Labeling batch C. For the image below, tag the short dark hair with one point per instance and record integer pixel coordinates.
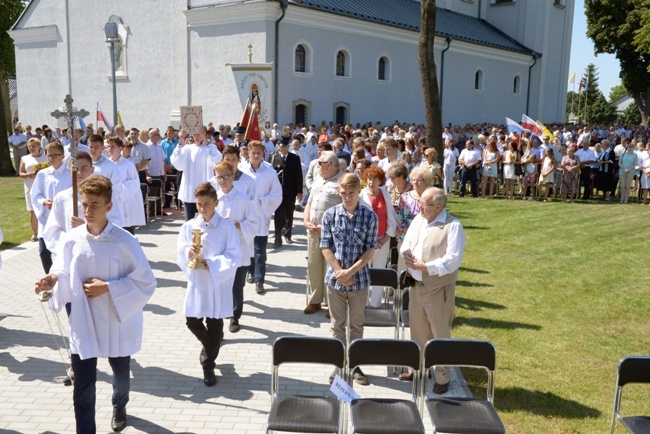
(97, 185)
(231, 150)
(205, 189)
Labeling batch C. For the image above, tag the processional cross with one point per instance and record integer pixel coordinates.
(69, 113)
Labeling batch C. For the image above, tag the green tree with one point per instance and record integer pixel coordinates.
(9, 12)
(617, 27)
(429, 78)
(616, 92)
(589, 95)
(601, 111)
(631, 115)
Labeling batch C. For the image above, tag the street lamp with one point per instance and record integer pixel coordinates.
(112, 38)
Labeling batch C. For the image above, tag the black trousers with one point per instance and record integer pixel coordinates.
(283, 219)
(468, 175)
(45, 254)
(238, 291)
(209, 334)
(585, 181)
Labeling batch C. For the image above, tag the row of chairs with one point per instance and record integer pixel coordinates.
(317, 414)
(153, 196)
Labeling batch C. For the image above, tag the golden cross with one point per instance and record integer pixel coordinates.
(250, 53)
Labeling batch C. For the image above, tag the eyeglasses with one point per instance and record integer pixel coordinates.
(320, 163)
(422, 204)
(54, 155)
(223, 177)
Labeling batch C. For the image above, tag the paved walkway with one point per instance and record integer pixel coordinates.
(167, 392)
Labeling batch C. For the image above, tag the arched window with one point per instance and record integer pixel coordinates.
(516, 85)
(300, 114)
(340, 64)
(383, 68)
(341, 115)
(301, 59)
(478, 80)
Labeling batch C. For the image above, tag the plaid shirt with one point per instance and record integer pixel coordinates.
(348, 238)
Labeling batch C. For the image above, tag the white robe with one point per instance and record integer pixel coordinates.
(197, 164)
(133, 205)
(209, 292)
(58, 223)
(268, 191)
(110, 170)
(47, 184)
(236, 207)
(109, 325)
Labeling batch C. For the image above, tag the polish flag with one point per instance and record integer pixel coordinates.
(102, 117)
(531, 125)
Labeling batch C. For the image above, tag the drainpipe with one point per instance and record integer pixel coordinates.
(283, 6)
(530, 69)
(480, 6)
(442, 67)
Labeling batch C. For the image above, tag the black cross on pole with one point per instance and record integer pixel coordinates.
(69, 113)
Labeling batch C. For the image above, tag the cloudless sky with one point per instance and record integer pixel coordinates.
(582, 54)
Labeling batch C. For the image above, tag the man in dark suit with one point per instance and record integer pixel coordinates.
(287, 166)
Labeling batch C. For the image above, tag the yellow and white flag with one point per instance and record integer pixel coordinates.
(572, 79)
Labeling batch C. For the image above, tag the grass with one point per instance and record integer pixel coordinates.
(562, 292)
(14, 217)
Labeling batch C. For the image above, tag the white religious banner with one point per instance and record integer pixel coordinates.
(191, 118)
(254, 84)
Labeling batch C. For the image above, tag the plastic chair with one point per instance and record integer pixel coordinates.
(144, 189)
(299, 413)
(633, 369)
(384, 317)
(155, 196)
(382, 416)
(461, 415)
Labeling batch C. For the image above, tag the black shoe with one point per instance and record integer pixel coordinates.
(234, 325)
(259, 288)
(288, 240)
(118, 423)
(67, 381)
(209, 379)
(277, 244)
(250, 278)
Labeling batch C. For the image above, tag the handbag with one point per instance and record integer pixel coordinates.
(406, 280)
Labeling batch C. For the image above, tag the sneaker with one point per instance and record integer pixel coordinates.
(234, 325)
(360, 378)
(118, 423)
(259, 288)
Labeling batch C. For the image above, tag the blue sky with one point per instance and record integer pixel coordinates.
(582, 54)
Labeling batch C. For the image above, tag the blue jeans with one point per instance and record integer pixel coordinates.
(190, 210)
(84, 394)
(257, 269)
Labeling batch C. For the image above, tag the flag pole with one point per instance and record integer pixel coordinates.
(573, 96)
(586, 100)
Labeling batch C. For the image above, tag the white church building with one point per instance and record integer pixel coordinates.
(312, 60)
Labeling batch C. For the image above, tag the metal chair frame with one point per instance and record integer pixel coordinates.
(302, 349)
(459, 353)
(631, 369)
(385, 352)
(386, 277)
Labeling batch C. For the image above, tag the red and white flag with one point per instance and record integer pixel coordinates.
(102, 117)
(531, 125)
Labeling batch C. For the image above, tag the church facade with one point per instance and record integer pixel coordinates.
(347, 61)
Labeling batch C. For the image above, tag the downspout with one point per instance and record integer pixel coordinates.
(530, 69)
(442, 67)
(283, 6)
(480, 6)
(189, 59)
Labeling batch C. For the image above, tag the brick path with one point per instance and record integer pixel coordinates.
(167, 393)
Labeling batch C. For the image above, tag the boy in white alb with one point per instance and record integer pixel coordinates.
(102, 270)
(209, 286)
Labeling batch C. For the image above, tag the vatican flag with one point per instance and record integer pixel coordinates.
(572, 79)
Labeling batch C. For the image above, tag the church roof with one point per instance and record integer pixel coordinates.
(405, 14)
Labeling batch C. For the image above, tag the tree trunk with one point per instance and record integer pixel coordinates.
(643, 105)
(5, 158)
(426, 59)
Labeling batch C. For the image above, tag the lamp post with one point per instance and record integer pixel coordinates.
(112, 37)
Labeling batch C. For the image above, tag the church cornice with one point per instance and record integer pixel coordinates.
(231, 14)
(31, 35)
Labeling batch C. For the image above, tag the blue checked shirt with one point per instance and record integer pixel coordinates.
(348, 238)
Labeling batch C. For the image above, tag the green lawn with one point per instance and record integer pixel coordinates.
(562, 292)
(14, 217)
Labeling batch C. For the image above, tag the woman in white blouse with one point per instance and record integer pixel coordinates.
(27, 172)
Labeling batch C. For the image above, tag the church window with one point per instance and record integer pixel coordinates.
(341, 113)
(301, 114)
(383, 67)
(340, 64)
(516, 85)
(301, 59)
(478, 80)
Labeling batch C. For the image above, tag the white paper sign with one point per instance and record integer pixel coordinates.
(343, 390)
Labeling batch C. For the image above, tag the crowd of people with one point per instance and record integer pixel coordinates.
(372, 196)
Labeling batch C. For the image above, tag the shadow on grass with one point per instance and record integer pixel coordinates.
(474, 270)
(477, 305)
(471, 228)
(512, 399)
(494, 324)
(465, 283)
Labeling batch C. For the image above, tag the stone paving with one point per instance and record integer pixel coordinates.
(167, 392)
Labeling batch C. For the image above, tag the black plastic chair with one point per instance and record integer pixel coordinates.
(384, 317)
(633, 369)
(155, 196)
(299, 413)
(171, 190)
(144, 189)
(404, 312)
(385, 416)
(461, 415)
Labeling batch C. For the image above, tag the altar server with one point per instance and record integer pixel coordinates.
(132, 195)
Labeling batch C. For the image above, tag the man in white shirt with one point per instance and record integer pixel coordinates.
(446, 135)
(18, 143)
(587, 157)
(469, 160)
(433, 250)
(392, 154)
(269, 197)
(156, 167)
